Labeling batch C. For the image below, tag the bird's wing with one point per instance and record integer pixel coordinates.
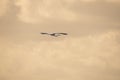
(44, 33)
(63, 33)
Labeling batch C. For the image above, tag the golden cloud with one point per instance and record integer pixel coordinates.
(4, 5)
(73, 58)
(38, 10)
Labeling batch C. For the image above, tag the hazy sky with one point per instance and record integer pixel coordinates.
(89, 52)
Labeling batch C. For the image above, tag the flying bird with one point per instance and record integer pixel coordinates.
(54, 34)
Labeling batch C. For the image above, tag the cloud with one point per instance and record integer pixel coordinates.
(93, 57)
(88, 0)
(38, 10)
(85, 57)
(4, 5)
(113, 1)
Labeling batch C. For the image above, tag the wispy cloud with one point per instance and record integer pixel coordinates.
(66, 10)
(4, 5)
(113, 1)
(38, 10)
(89, 52)
(87, 57)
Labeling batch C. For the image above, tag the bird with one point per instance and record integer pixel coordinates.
(54, 34)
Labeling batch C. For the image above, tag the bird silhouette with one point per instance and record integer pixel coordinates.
(54, 34)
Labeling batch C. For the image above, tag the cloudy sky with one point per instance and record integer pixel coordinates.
(89, 52)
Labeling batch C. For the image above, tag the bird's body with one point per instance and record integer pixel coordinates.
(54, 34)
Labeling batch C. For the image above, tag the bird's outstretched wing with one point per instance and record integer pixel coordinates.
(43, 33)
(63, 33)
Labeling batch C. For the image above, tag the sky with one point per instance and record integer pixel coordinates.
(90, 51)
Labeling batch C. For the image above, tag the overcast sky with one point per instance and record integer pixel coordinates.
(89, 52)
